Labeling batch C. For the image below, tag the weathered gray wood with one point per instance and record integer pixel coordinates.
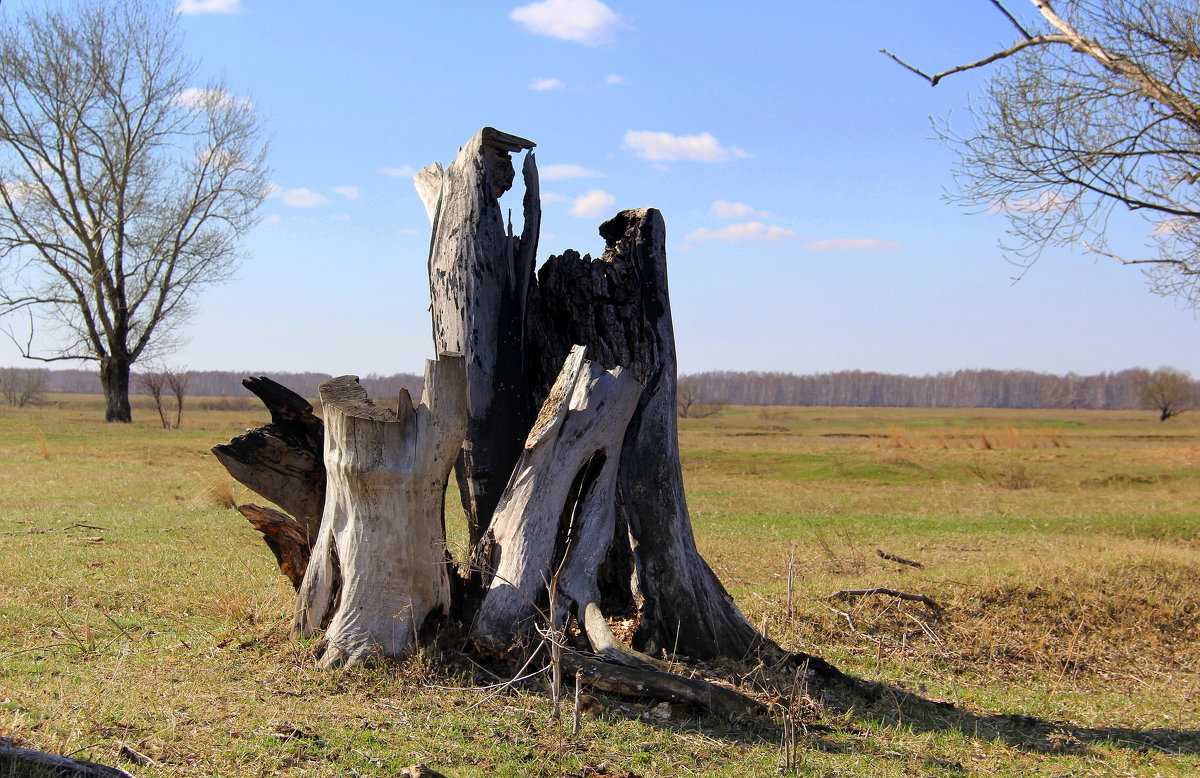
(282, 460)
(556, 519)
(378, 568)
(479, 277)
(618, 306)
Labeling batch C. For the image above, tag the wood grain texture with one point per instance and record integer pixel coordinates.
(379, 566)
(480, 274)
(557, 516)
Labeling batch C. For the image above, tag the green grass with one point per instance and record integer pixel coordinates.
(1063, 547)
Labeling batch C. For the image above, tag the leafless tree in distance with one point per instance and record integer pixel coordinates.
(1169, 391)
(1092, 112)
(124, 185)
(23, 386)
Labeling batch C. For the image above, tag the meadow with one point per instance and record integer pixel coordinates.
(144, 624)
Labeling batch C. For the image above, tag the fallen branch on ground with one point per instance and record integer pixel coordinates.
(897, 559)
(889, 592)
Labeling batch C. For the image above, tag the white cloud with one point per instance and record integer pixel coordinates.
(1045, 202)
(546, 84)
(349, 192)
(272, 219)
(589, 22)
(190, 7)
(665, 147)
(303, 198)
(614, 80)
(209, 99)
(1177, 226)
(19, 191)
(727, 210)
(851, 244)
(555, 172)
(743, 232)
(397, 172)
(553, 197)
(595, 203)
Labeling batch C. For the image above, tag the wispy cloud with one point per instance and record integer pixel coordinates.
(1045, 202)
(727, 210)
(589, 22)
(397, 172)
(555, 172)
(273, 218)
(613, 79)
(303, 198)
(209, 99)
(851, 244)
(554, 197)
(593, 204)
(743, 232)
(192, 7)
(665, 147)
(546, 84)
(349, 192)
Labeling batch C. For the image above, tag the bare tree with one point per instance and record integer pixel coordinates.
(1094, 111)
(1168, 390)
(693, 398)
(124, 187)
(23, 386)
(177, 382)
(155, 383)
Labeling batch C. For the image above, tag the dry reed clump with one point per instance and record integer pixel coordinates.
(217, 492)
(1119, 621)
(985, 438)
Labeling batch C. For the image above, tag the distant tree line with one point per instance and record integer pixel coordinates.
(228, 383)
(959, 389)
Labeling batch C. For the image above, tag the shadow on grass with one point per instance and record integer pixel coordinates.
(884, 705)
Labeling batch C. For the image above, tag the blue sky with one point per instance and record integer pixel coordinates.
(793, 163)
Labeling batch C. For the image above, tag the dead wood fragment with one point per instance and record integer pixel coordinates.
(884, 591)
(29, 763)
(661, 686)
(286, 538)
(282, 460)
(898, 559)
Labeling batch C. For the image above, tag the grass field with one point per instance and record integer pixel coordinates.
(1063, 548)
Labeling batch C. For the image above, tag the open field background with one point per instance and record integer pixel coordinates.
(1063, 547)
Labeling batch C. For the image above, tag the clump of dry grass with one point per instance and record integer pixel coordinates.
(217, 492)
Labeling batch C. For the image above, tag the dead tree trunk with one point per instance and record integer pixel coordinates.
(618, 306)
(379, 566)
(556, 519)
(479, 278)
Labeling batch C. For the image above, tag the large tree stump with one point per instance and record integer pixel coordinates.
(379, 565)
